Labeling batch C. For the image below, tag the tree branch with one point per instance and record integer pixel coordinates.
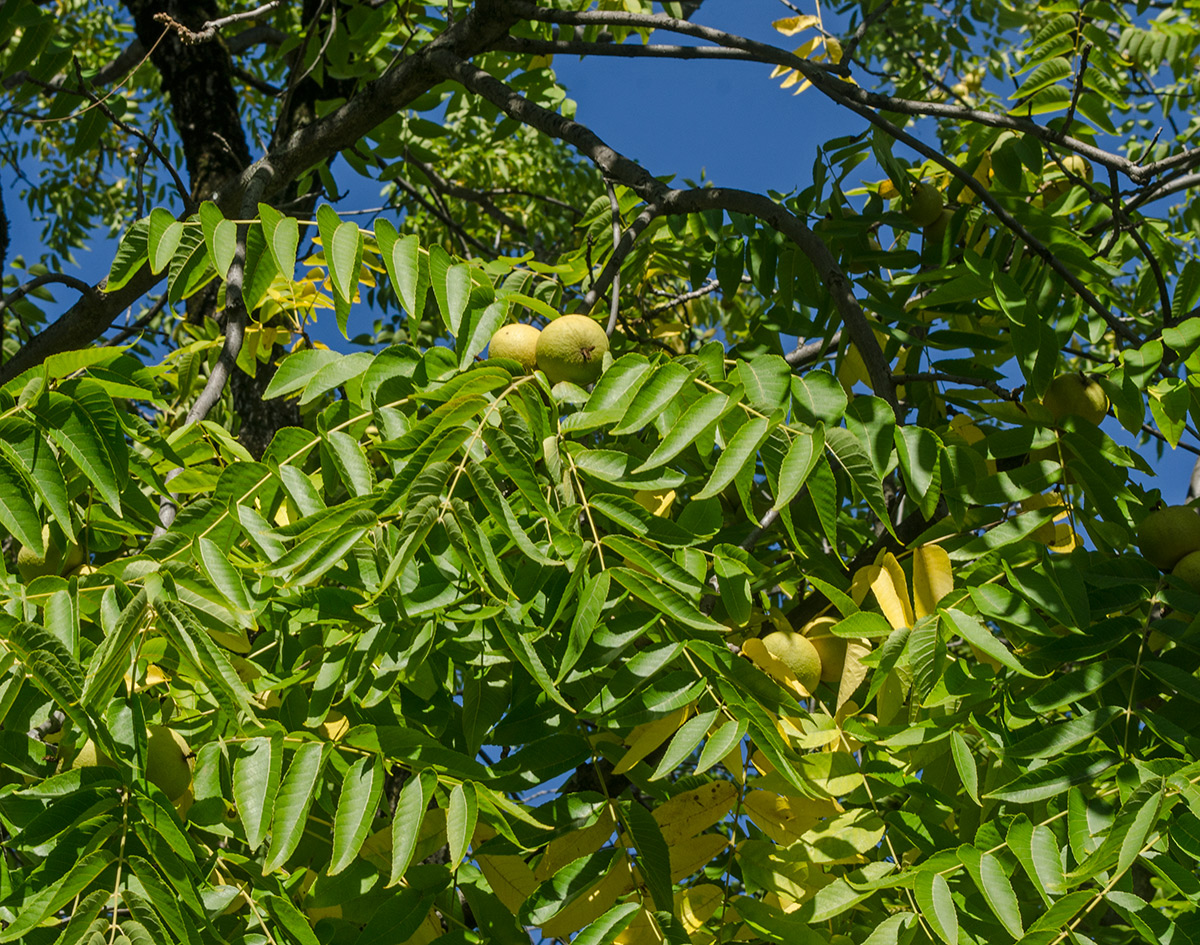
(616, 278)
(377, 101)
(820, 76)
(808, 351)
(661, 199)
(210, 29)
(937, 377)
(481, 197)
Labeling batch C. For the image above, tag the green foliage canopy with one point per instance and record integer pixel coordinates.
(460, 655)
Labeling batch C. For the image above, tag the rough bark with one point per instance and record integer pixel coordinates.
(198, 79)
(486, 23)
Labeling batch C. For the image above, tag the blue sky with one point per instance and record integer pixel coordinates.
(728, 119)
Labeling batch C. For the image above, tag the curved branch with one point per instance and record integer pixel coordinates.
(662, 199)
(48, 278)
(819, 75)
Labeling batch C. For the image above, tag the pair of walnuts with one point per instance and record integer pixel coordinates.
(571, 348)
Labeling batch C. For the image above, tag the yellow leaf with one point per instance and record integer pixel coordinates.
(757, 651)
(655, 501)
(785, 819)
(643, 930)
(791, 79)
(592, 904)
(834, 48)
(860, 584)
(761, 765)
(428, 931)
(648, 736)
(511, 879)
(964, 427)
(933, 578)
(778, 71)
(691, 855)
(853, 670)
(562, 850)
(891, 590)
(845, 838)
(852, 369)
(834, 772)
(795, 24)
(1065, 539)
(1056, 534)
(696, 905)
(809, 48)
(686, 814)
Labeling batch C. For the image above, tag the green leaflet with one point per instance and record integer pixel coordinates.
(684, 742)
(461, 816)
(296, 795)
(740, 451)
(566, 886)
(933, 896)
(653, 397)
(698, 418)
(1055, 777)
(53, 897)
(406, 823)
(357, 804)
(256, 773)
(652, 856)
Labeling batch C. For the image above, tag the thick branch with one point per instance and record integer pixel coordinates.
(88, 319)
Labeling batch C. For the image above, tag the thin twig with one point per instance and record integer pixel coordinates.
(210, 29)
(465, 237)
(707, 289)
(937, 377)
(869, 21)
(1078, 90)
(137, 326)
(46, 279)
(1159, 435)
(481, 197)
(148, 140)
(808, 351)
(616, 279)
